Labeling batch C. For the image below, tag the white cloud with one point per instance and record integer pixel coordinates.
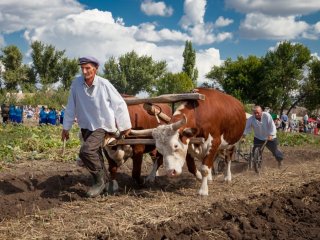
(97, 33)
(275, 7)
(223, 22)
(148, 32)
(206, 59)
(194, 11)
(16, 15)
(201, 32)
(151, 8)
(260, 26)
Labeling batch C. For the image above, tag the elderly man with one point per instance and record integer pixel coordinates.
(264, 129)
(100, 110)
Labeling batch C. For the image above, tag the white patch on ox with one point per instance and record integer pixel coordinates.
(224, 144)
(174, 151)
(204, 184)
(199, 152)
(179, 109)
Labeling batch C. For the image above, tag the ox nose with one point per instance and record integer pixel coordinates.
(171, 173)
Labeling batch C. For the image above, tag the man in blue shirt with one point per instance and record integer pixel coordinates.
(284, 122)
(264, 129)
(100, 110)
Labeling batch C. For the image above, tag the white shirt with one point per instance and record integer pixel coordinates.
(262, 129)
(98, 106)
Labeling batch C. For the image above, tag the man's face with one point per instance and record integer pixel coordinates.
(88, 70)
(257, 113)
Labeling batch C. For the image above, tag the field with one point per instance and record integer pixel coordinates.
(42, 196)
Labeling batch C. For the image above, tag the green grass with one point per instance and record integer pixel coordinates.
(36, 142)
(297, 139)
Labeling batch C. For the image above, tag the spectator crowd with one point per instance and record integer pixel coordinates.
(18, 114)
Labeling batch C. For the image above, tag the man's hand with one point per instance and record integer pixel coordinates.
(270, 138)
(124, 133)
(64, 135)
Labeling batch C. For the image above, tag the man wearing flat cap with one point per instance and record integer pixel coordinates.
(100, 110)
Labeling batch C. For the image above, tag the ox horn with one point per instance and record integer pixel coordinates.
(180, 123)
(142, 132)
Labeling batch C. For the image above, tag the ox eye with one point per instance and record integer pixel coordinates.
(175, 146)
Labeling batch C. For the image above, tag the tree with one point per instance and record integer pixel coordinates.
(238, 78)
(311, 89)
(47, 62)
(189, 62)
(69, 68)
(16, 73)
(133, 74)
(174, 83)
(282, 74)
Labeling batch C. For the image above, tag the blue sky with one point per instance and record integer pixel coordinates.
(218, 29)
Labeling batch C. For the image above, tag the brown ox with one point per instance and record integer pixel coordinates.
(140, 119)
(220, 119)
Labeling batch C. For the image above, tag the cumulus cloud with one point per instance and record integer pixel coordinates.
(16, 15)
(261, 26)
(275, 7)
(223, 22)
(151, 8)
(94, 32)
(148, 32)
(194, 11)
(206, 59)
(202, 32)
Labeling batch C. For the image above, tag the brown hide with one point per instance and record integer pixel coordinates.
(219, 114)
(140, 119)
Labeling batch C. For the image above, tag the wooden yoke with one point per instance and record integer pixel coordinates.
(152, 110)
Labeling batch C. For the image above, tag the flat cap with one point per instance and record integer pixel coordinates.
(88, 59)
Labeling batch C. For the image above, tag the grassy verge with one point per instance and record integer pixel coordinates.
(19, 142)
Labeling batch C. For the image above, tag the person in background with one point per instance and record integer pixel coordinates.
(52, 116)
(30, 113)
(43, 115)
(61, 115)
(305, 122)
(284, 122)
(12, 113)
(100, 111)
(5, 113)
(264, 130)
(19, 114)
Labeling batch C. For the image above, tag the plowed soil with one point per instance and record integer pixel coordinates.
(46, 200)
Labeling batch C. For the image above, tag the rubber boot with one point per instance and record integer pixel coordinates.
(99, 184)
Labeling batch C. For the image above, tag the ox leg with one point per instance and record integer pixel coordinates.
(112, 186)
(210, 178)
(137, 157)
(206, 167)
(157, 162)
(228, 157)
(192, 167)
(204, 191)
(137, 164)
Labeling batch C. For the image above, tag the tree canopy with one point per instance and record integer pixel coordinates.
(133, 74)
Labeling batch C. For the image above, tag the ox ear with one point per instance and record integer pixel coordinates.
(189, 132)
(186, 134)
